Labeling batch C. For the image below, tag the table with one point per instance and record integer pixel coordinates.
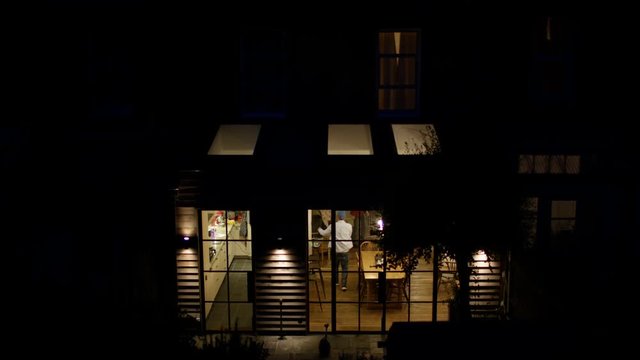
(371, 271)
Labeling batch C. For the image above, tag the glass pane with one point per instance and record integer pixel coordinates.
(352, 292)
(240, 255)
(422, 312)
(319, 314)
(396, 99)
(557, 164)
(215, 286)
(217, 316)
(398, 42)
(372, 225)
(525, 165)
(573, 164)
(563, 209)
(387, 43)
(214, 224)
(560, 227)
(320, 255)
(396, 312)
(370, 317)
(397, 71)
(530, 221)
(421, 282)
(238, 290)
(346, 317)
(239, 225)
(214, 255)
(541, 164)
(241, 316)
(318, 219)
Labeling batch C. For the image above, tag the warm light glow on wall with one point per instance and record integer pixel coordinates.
(186, 221)
(480, 256)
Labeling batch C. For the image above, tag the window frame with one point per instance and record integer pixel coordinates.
(416, 86)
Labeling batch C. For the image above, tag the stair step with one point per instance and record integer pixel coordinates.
(189, 297)
(286, 299)
(484, 284)
(277, 323)
(298, 330)
(276, 316)
(484, 307)
(276, 304)
(484, 297)
(188, 277)
(270, 310)
(190, 271)
(484, 304)
(276, 292)
(263, 267)
(285, 278)
(187, 264)
(296, 296)
(484, 280)
(277, 285)
(278, 257)
(494, 268)
(188, 290)
(189, 284)
(281, 271)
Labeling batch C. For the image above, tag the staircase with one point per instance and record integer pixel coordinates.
(280, 276)
(188, 188)
(188, 283)
(485, 288)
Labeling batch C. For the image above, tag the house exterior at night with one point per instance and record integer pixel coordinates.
(195, 182)
(395, 115)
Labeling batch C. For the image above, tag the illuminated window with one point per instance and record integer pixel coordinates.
(563, 218)
(226, 260)
(549, 164)
(397, 70)
(529, 209)
(416, 139)
(350, 140)
(235, 140)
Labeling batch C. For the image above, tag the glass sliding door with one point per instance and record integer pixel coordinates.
(227, 269)
(320, 287)
(362, 295)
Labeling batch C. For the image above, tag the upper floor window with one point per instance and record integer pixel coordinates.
(558, 215)
(563, 218)
(549, 164)
(552, 35)
(398, 71)
(263, 74)
(529, 221)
